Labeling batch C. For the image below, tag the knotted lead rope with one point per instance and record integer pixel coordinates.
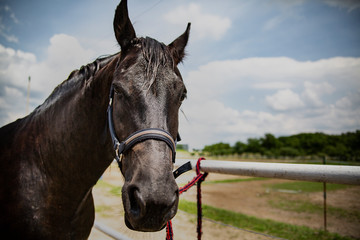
(200, 177)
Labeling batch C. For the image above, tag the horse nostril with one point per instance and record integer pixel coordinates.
(137, 204)
(175, 198)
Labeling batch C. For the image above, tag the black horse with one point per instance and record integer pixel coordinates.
(51, 159)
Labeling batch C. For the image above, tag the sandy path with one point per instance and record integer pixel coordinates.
(251, 198)
(184, 224)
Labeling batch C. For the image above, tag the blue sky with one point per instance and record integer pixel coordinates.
(253, 67)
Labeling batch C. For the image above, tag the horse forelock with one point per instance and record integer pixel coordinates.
(156, 54)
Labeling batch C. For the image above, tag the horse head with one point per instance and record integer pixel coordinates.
(147, 91)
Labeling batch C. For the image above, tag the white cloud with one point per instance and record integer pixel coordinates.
(286, 10)
(343, 103)
(64, 54)
(203, 24)
(350, 5)
(273, 22)
(4, 29)
(303, 96)
(9, 37)
(65, 48)
(14, 67)
(12, 104)
(284, 100)
(273, 85)
(11, 14)
(324, 93)
(219, 77)
(313, 92)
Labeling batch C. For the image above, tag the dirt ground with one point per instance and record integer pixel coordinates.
(251, 198)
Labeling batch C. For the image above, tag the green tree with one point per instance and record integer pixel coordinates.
(312, 143)
(289, 151)
(239, 147)
(269, 142)
(254, 146)
(218, 149)
(344, 146)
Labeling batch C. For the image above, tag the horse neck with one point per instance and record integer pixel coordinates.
(78, 146)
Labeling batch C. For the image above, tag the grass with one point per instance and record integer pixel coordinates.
(296, 206)
(306, 186)
(104, 210)
(266, 226)
(115, 190)
(308, 207)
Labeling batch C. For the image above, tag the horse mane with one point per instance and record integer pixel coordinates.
(78, 77)
(89, 70)
(155, 53)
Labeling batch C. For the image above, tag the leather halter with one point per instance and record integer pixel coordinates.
(138, 136)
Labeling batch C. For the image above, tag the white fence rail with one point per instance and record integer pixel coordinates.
(306, 172)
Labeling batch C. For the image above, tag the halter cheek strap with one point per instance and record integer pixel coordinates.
(138, 136)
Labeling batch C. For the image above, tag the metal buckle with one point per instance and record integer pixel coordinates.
(117, 154)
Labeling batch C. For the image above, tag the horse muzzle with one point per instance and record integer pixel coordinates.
(149, 211)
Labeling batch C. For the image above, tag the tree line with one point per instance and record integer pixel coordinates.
(345, 147)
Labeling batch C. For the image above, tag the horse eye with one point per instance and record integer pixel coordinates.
(117, 92)
(183, 95)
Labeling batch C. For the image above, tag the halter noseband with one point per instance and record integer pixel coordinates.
(138, 136)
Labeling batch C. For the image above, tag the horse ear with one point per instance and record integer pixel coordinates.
(123, 28)
(177, 47)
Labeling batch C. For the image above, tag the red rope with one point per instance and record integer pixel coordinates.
(199, 209)
(169, 231)
(200, 177)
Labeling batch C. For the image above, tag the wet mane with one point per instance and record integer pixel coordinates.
(78, 77)
(156, 54)
(89, 70)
